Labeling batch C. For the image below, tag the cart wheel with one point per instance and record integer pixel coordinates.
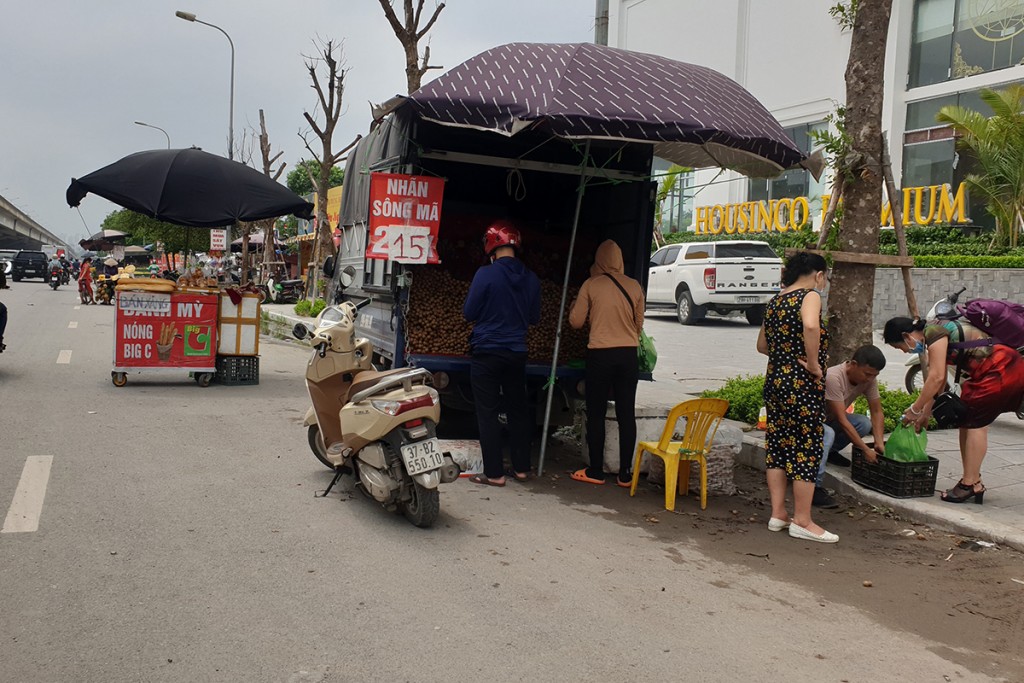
(203, 379)
(119, 379)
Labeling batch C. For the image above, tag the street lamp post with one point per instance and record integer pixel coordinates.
(189, 16)
(147, 125)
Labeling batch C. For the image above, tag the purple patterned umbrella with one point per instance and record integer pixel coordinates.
(694, 116)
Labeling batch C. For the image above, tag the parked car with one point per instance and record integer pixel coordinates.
(29, 264)
(7, 260)
(698, 278)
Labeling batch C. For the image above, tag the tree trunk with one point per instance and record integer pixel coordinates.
(413, 75)
(244, 279)
(853, 284)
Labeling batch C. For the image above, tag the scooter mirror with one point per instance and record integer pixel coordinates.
(328, 267)
(347, 277)
(300, 331)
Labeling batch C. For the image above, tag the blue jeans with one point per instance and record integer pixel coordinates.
(836, 439)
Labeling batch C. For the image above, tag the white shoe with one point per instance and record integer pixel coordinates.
(776, 524)
(803, 534)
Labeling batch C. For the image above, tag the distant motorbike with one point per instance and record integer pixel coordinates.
(56, 277)
(104, 290)
(284, 292)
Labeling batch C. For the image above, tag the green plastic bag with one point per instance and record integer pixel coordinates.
(906, 445)
(647, 355)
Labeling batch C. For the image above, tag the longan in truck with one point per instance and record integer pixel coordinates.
(531, 179)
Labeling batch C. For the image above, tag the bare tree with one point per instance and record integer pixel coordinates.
(267, 225)
(246, 154)
(409, 34)
(330, 90)
(853, 284)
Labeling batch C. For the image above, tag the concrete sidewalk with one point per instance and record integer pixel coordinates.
(999, 520)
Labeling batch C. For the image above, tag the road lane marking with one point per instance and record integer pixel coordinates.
(77, 307)
(23, 515)
(72, 325)
(64, 357)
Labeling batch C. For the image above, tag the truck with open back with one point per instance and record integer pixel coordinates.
(531, 179)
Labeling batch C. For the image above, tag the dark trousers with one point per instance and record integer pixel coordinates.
(499, 386)
(611, 373)
(3, 320)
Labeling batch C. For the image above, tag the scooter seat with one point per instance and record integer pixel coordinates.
(370, 378)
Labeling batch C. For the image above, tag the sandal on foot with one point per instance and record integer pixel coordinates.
(481, 479)
(624, 484)
(961, 493)
(581, 475)
(519, 476)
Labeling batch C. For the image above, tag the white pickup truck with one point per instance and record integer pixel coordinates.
(718, 277)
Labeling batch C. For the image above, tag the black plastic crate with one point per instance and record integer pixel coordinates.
(236, 370)
(894, 478)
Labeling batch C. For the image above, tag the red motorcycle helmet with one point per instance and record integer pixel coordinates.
(501, 234)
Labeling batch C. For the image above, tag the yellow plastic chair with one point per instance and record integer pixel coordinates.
(703, 416)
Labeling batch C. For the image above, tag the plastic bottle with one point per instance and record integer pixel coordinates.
(762, 419)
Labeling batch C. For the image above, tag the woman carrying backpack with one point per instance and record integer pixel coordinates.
(993, 384)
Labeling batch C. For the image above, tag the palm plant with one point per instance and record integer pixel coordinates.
(997, 144)
(665, 186)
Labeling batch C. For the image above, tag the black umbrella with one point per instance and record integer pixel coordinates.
(693, 115)
(190, 187)
(103, 240)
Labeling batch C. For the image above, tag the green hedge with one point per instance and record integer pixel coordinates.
(931, 247)
(928, 261)
(744, 395)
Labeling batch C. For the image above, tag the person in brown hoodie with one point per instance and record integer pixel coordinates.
(614, 304)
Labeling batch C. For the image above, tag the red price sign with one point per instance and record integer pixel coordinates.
(405, 217)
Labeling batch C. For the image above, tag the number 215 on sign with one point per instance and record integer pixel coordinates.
(402, 243)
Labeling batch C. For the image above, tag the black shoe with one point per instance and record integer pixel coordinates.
(823, 500)
(838, 459)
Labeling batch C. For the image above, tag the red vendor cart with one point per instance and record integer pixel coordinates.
(165, 331)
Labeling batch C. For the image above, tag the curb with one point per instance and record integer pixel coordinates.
(288, 318)
(947, 518)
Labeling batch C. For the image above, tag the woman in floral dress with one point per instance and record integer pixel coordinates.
(796, 344)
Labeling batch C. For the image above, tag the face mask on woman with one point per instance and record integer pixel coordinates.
(919, 347)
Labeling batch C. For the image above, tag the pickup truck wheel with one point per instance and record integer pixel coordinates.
(755, 315)
(686, 311)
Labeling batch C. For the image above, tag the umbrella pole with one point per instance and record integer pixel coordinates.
(561, 308)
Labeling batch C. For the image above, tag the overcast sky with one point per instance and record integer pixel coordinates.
(76, 73)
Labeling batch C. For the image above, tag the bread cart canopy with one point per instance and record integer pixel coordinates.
(189, 187)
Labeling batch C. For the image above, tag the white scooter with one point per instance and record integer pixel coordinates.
(943, 309)
(379, 425)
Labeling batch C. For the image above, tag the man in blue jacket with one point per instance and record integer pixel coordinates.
(503, 301)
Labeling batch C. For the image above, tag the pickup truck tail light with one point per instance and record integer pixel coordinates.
(709, 278)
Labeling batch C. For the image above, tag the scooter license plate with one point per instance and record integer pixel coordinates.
(422, 456)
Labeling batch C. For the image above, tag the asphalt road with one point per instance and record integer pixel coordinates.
(179, 540)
